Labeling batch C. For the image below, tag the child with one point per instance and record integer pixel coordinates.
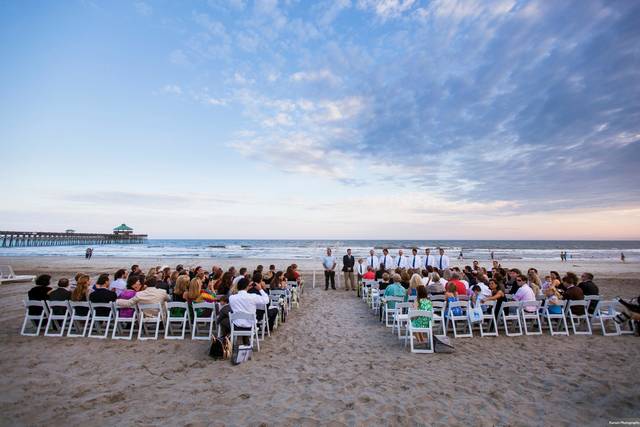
(422, 303)
(552, 300)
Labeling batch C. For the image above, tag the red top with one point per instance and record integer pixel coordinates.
(369, 275)
(460, 289)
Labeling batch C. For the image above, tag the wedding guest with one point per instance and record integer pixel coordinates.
(498, 294)
(119, 283)
(589, 288)
(572, 292)
(81, 293)
(133, 286)
(102, 295)
(40, 292)
(61, 293)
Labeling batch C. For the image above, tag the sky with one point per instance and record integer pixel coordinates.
(390, 119)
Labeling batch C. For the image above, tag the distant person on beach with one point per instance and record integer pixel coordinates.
(492, 255)
(86, 253)
(442, 261)
(329, 264)
(622, 258)
(348, 262)
(460, 255)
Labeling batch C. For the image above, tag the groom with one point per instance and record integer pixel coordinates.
(348, 261)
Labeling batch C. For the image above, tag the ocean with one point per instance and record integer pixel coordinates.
(313, 249)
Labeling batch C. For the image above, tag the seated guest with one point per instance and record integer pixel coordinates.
(181, 288)
(552, 300)
(525, 293)
(102, 294)
(394, 289)
(223, 316)
(148, 295)
(414, 282)
(244, 302)
(461, 289)
(379, 272)
(422, 303)
(119, 284)
(451, 294)
(498, 294)
(225, 284)
(61, 293)
(276, 281)
(40, 292)
(133, 287)
(193, 291)
(589, 288)
(384, 282)
(369, 275)
(254, 288)
(534, 281)
(436, 286)
(81, 293)
(572, 292)
(512, 283)
(426, 277)
(405, 278)
(269, 275)
(556, 281)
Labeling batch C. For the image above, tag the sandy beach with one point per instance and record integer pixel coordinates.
(331, 363)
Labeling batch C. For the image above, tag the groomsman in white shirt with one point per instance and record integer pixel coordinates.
(415, 261)
(401, 261)
(429, 260)
(385, 260)
(372, 260)
(442, 261)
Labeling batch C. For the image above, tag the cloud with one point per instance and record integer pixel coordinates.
(316, 76)
(142, 8)
(172, 89)
(386, 9)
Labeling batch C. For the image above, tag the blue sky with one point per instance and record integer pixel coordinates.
(346, 119)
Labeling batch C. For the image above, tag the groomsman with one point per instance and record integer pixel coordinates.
(360, 268)
(372, 260)
(386, 261)
(348, 261)
(401, 261)
(415, 262)
(429, 260)
(442, 261)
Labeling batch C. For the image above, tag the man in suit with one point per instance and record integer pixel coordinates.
(415, 262)
(348, 261)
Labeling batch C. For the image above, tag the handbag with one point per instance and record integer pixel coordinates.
(241, 353)
(475, 314)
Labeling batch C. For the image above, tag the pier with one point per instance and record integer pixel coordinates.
(11, 239)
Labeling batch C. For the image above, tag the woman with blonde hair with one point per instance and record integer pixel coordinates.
(81, 293)
(182, 286)
(534, 281)
(193, 291)
(414, 282)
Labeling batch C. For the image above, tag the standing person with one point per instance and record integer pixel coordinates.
(86, 253)
(348, 262)
(492, 255)
(361, 269)
(442, 261)
(401, 261)
(385, 259)
(622, 256)
(429, 260)
(415, 262)
(329, 264)
(460, 256)
(372, 260)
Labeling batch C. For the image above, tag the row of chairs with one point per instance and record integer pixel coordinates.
(101, 320)
(516, 318)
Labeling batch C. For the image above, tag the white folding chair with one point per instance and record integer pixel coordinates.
(263, 324)
(577, 319)
(593, 302)
(560, 318)
(388, 313)
(411, 330)
(438, 308)
(78, 319)
(57, 306)
(510, 312)
(100, 323)
(460, 318)
(400, 317)
(366, 288)
(279, 299)
(295, 294)
(251, 333)
(207, 318)
(174, 318)
(153, 316)
(530, 312)
(37, 319)
(122, 324)
(489, 319)
(437, 298)
(606, 311)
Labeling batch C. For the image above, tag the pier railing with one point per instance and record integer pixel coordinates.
(11, 239)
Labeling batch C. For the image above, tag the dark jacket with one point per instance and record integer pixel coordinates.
(574, 293)
(347, 263)
(38, 293)
(59, 294)
(102, 295)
